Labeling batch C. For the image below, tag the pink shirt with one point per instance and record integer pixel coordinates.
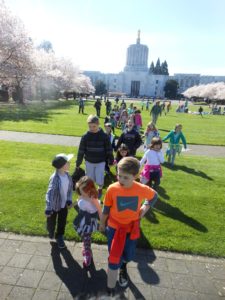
(138, 120)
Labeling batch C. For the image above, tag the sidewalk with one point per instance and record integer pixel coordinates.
(34, 268)
(40, 138)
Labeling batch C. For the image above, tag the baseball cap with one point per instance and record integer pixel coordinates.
(61, 159)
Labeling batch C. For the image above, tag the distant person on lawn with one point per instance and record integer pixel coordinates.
(95, 147)
(59, 198)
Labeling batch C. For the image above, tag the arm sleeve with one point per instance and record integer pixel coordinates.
(167, 136)
(81, 152)
(142, 161)
(106, 210)
(70, 190)
(109, 151)
(50, 194)
(120, 141)
(151, 201)
(183, 140)
(138, 141)
(160, 156)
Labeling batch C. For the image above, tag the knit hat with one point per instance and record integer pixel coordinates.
(61, 159)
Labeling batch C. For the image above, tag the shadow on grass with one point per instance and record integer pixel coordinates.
(187, 170)
(36, 112)
(165, 130)
(162, 192)
(175, 213)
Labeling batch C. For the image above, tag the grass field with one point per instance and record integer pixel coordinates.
(63, 118)
(189, 216)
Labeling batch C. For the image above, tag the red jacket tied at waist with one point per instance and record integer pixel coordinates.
(119, 238)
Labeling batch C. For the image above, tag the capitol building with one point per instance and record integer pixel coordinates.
(137, 80)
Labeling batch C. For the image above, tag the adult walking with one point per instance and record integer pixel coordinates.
(97, 106)
(155, 112)
(81, 105)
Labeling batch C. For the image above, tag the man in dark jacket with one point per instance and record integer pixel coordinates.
(131, 138)
(96, 149)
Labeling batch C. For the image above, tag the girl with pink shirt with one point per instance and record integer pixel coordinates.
(138, 119)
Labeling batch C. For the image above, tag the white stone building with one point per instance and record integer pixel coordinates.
(136, 80)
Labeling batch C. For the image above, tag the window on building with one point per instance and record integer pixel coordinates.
(157, 81)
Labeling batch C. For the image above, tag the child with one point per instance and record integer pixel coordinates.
(137, 120)
(108, 131)
(174, 143)
(123, 119)
(122, 151)
(95, 148)
(59, 198)
(86, 221)
(131, 138)
(153, 157)
(112, 120)
(123, 210)
(151, 131)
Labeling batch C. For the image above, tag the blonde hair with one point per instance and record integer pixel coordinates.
(178, 125)
(151, 124)
(93, 119)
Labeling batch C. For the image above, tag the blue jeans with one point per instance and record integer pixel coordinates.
(128, 251)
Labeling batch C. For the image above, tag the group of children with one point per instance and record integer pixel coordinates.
(119, 218)
(119, 116)
(126, 201)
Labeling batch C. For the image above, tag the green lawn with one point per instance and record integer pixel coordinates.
(189, 217)
(63, 118)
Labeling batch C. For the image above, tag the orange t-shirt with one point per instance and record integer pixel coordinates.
(125, 203)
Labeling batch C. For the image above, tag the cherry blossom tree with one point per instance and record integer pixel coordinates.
(23, 65)
(16, 65)
(211, 91)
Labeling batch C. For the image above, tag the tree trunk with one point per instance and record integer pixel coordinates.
(18, 95)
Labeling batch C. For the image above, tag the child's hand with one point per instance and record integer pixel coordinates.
(48, 213)
(102, 227)
(69, 204)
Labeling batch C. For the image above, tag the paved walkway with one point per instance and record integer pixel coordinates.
(40, 138)
(34, 268)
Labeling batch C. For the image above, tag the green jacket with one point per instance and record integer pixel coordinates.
(175, 139)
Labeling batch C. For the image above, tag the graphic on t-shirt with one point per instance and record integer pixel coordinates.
(124, 202)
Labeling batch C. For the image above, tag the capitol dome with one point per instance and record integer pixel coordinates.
(137, 57)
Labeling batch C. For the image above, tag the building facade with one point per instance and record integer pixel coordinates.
(137, 81)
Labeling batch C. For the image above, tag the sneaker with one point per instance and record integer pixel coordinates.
(123, 277)
(87, 256)
(99, 193)
(60, 242)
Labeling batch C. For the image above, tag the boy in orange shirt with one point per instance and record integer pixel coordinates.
(123, 210)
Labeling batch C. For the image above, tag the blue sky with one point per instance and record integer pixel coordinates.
(188, 34)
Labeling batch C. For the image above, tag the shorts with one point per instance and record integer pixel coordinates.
(96, 172)
(128, 252)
